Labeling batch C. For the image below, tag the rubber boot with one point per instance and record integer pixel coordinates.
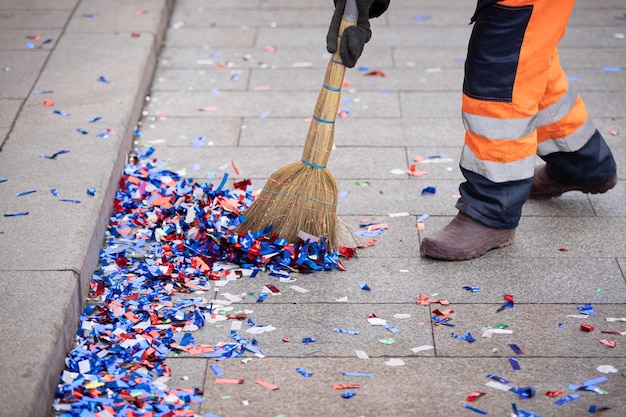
(545, 187)
(465, 238)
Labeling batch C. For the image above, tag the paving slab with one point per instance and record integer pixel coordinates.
(201, 80)
(33, 19)
(47, 299)
(19, 39)
(134, 16)
(296, 321)
(211, 37)
(181, 133)
(421, 384)
(20, 71)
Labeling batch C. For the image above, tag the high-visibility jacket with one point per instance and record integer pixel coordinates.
(517, 103)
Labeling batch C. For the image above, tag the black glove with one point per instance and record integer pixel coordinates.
(353, 38)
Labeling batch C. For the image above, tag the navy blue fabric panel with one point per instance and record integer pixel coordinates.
(493, 52)
(497, 205)
(593, 164)
(480, 6)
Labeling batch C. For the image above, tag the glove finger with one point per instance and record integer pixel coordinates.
(333, 30)
(352, 43)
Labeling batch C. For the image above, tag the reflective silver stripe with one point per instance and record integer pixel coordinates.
(498, 129)
(498, 171)
(558, 110)
(569, 143)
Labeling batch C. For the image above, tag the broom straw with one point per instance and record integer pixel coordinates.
(302, 196)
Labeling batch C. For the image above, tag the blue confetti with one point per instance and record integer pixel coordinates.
(524, 392)
(348, 394)
(587, 310)
(16, 214)
(25, 193)
(54, 192)
(217, 370)
(82, 131)
(66, 200)
(95, 119)
(54, 155)
(514, 364)
(60, 113)
(353, 332)
(91, 191)
(358, 374)
(304, 373)
(364, 286)
(103, 79)
(467, 337)
(566, 399)
(611, 69)
(429, 191)
(445, 323)
(308, 340)
(471, 289)
(476, 410)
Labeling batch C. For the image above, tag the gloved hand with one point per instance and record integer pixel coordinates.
(353, 38)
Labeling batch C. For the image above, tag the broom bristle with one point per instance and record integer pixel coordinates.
(297, 197)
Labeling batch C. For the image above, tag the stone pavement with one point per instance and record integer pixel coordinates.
(245, 75)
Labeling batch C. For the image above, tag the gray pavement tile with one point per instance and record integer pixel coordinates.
(219, 5)
(611, 203)
(211, 37)
(395, 79)
(33, 19)
(373, 131)
(540, 331)
(118, 16)
(259, 57)
(416, 15)
(400, 240)
(201, 80)
(270, 103)
(422, 58)
(298, 321)
(599, 36)
(430, 104)
(366, 163)
(9, 108)
(17, 39)
(381, 36)
(598, 80)
(200, 16)
(34, 341)
(39, 5)
(573, 58)
(436, 387)
(401, 280)
(382, 197)
(174, 132)
(20, 71)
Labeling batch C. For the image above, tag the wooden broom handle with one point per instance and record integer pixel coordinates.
(319, 141)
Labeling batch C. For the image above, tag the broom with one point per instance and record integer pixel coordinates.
(302, 196)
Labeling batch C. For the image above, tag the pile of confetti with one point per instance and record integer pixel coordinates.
(168, 236)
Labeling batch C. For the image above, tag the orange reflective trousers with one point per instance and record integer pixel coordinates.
(517, 103)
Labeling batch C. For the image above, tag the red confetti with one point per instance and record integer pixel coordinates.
(48, 103)
(347, 252)
(135, 34)
(474, 396)
(286, 339)
(234, 167)
(228, 381)
(554, 393)
(587, 327)
(376, 74)
(423, 300)
(443, 313)
(609, 343)
(346, 386)
(563, 249)
(267, 385)
(509, 297)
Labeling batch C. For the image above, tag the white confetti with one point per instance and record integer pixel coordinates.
(422, 348)
(394, 362)
(607, 369)
(360, 354)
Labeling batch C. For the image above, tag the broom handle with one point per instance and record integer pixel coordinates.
(319, 140)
